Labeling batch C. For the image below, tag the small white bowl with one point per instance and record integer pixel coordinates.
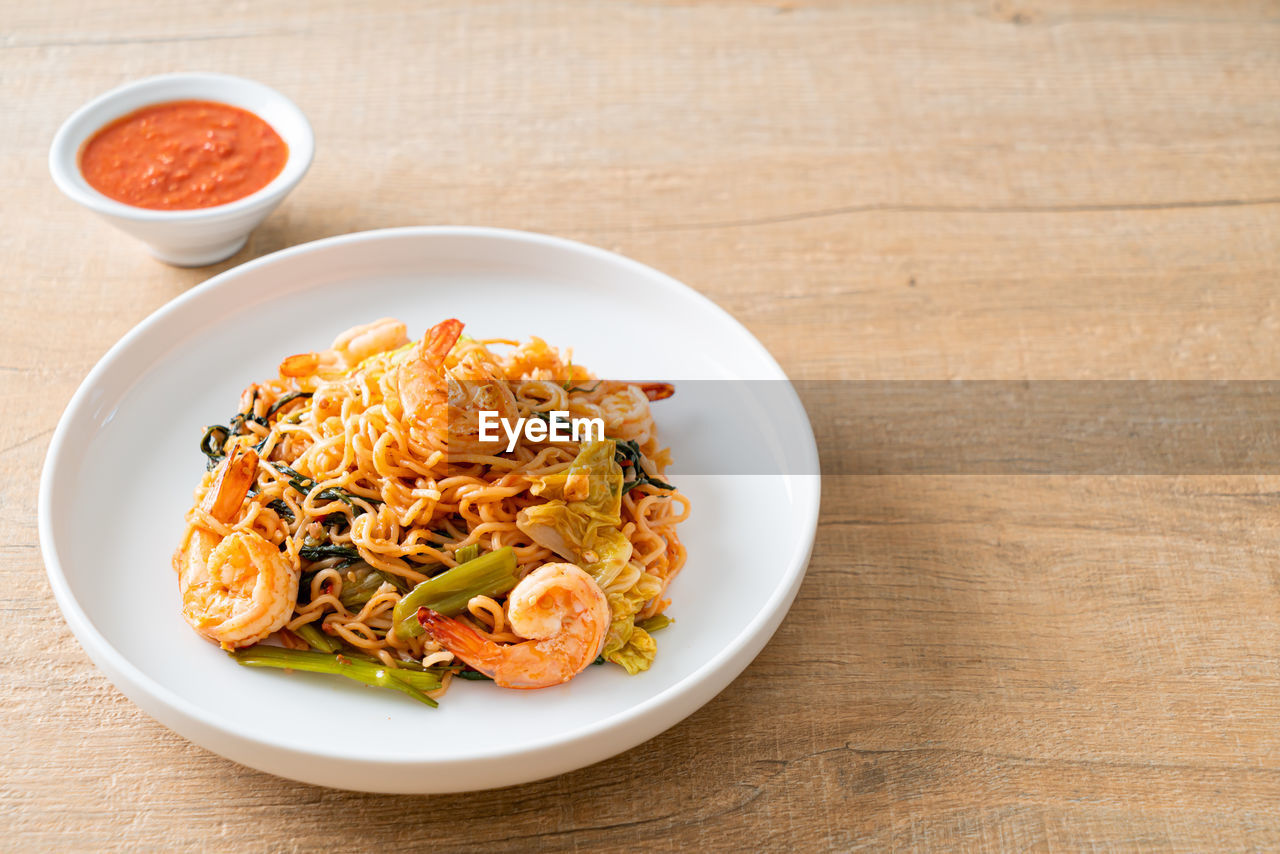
(200, 236)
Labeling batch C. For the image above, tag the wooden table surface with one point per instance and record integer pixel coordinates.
(1017, 189)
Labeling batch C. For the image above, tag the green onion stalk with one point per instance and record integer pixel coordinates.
(449, 592)
(413, 683)
(317, 639)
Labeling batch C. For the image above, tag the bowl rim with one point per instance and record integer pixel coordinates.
(69, 140)
(716, 672)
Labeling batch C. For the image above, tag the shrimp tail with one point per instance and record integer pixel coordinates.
(300, 365)
(229, 489)
(440, 339)
(657, 391)
(460, 639)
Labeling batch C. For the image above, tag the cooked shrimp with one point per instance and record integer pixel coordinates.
(625, 407)
(360, 342)
(558, 606)
(475, 387)
(236, 589)
(424, 390)
(349, 349)
(446, 402)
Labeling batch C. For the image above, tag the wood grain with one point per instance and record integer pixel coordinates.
(1019, 189)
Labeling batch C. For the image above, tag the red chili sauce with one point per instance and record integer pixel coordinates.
(183, 155)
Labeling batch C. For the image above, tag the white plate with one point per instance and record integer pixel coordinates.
(123, 463)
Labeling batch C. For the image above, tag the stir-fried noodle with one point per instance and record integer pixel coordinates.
(363, 468)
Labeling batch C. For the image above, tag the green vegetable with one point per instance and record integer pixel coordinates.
(637, 653)
(278, 505)
(304, 485)
(467, 553)
(366, 574)
(333, 493)
(360, 590)
(285, 398)
(626, 643)
(215, 436)
(471, 675)
(629, 457)
(570, 387)
(398, 582)
(317, 639)
(653, 624)
(416, 666)
(449, 592)
(409, 682)
(327, 550)
(237, 420)
(587, 531)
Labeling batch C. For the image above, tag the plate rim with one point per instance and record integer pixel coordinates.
(118, 668)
